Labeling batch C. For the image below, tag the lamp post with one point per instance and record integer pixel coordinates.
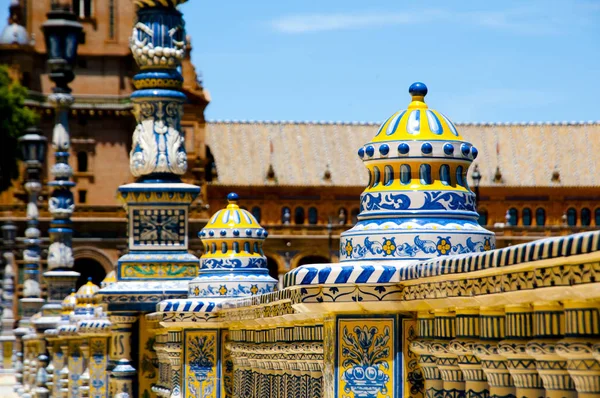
(476, 176)
(61, 32)
(33, 146)
(9, 236)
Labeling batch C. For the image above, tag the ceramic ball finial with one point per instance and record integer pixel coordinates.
(232, 197)
(418, 89)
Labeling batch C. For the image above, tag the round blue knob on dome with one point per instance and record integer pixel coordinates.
(403, 148)
(248, 232)
(236, 232)
(474, 152)
(418, 89)
(202, 233)
(265, 233)
(370, 150)
(448, 149)
(464, 148)
(211, 233)
(232, 197)
(384, 149)
(223, 232)
(426, 148)
(361, 152)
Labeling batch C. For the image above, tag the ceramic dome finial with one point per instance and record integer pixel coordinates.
(232, 198)
(418, 89)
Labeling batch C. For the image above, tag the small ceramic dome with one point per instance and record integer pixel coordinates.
(233, 237)
(418, 203)
(233, 264)
(69, 303)
(86, 293)
(14, 33)
(110, 278)
(417, 122)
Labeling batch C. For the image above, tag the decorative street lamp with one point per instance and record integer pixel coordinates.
(62, 32)
(476, 176)
(33, 146)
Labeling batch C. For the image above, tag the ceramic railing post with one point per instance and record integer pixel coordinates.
(174, 349)
(582, 326)
(123, 374)
(41, 390)
(64, 372)
(421, 346)
(492, 324)
(467, 335)
(522, 368)
(549, 328)
(445, 359)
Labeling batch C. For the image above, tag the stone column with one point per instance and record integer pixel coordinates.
(549, 327)
(582, 328)
(467, 335)
(123, 373)
(493, 326)
(519, 330)
(64, 372)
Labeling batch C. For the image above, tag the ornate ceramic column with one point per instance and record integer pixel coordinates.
(158, 265)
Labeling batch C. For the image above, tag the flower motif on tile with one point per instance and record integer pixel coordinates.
(444, 245)
(196, 291)
(389, 246)
(366, 355)
(223, 290)
(254, 289)
(348, 248)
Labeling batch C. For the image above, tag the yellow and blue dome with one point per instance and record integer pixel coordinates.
(418, 204)
(233, 264)
(68, 304)
(417, 122)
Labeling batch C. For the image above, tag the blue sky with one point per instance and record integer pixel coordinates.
(354, 60)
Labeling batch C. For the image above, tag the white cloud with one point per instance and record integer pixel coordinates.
(528, 20)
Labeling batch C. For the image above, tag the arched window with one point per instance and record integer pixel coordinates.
(376, 176)
(513, 216)
(299, 215)
(354, 215)
(597, 217)
(256, 213)
(370, 179)
(586, 217)
(540, 217)
(571, 217)
(459, 176)
(313, 215)
(425, 174)
(82, 161)
(388, 175)
(483, 217)
(405, 174)
(445, 174)
(527, 216)
(286, 216)
(273, 268)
